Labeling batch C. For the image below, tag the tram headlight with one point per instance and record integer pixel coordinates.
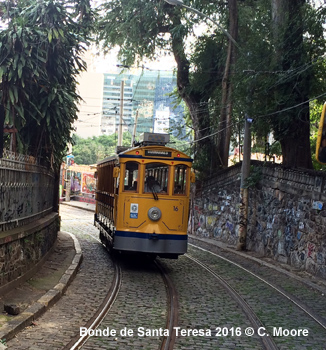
(154, 213)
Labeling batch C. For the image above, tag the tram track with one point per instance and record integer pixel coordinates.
(125, 307)
(194, 316)
(101, 312)
(166, 342)
(172, 315)
(302, 306)
(268, 342)
(264, 295)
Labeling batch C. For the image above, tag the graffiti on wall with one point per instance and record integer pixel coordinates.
(285, 225)
(82, 180)
(89, 184)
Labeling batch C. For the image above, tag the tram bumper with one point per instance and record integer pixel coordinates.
(150, 242)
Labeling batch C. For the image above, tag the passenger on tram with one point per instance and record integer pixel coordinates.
(177, 189)
(134, 186)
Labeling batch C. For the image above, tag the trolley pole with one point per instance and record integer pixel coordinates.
(121, 113)
(135, 128)
(244, 193)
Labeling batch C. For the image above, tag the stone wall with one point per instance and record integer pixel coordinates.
(28, 224)
(22, 248)
(287, 214)
(26, 191)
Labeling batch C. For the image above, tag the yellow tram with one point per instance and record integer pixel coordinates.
(142, 198)
(321, 138)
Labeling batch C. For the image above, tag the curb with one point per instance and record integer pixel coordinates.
(10, 329)
(75, 205)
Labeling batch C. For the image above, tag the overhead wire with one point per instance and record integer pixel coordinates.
(289, 74)
(260, 116)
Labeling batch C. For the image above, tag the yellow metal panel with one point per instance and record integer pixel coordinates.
(174, 218)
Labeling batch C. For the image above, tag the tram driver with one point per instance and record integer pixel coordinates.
(151, 185)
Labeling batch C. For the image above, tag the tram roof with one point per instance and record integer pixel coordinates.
(130, 151)
(159, 148)
(108, 159)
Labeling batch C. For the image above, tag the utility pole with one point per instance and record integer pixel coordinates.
(244, 192)
(121, 113)
(2, 121)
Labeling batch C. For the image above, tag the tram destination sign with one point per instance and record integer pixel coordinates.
(158, 153)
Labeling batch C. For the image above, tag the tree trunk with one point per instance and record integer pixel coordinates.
(205, 147)
(296, 150)
(224, 135)
(292, 125)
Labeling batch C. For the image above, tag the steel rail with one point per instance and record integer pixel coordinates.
(267, 341)
(288, 296)
(103, 310)
(172, 317)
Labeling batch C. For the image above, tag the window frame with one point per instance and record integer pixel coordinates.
(162, 178)
(124, 177)
(185, 179)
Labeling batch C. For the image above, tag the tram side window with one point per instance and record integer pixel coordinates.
(180, 179)
(156, 178)
(131, 176)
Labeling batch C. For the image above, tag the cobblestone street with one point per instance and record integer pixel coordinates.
(86, 293)
(141, 304)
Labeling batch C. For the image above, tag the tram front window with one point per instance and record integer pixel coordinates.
(131, 176)
(156, 178)
(180, 179)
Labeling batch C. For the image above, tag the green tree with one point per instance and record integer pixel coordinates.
(273, 75)
(93, 149)
(40, 57)
(285, 73)
(180, 145)
(146, 29)
(291, 126)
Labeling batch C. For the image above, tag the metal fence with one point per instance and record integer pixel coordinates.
(26, 190)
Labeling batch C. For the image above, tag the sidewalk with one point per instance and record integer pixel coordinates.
(44, 289)
(81, 205)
